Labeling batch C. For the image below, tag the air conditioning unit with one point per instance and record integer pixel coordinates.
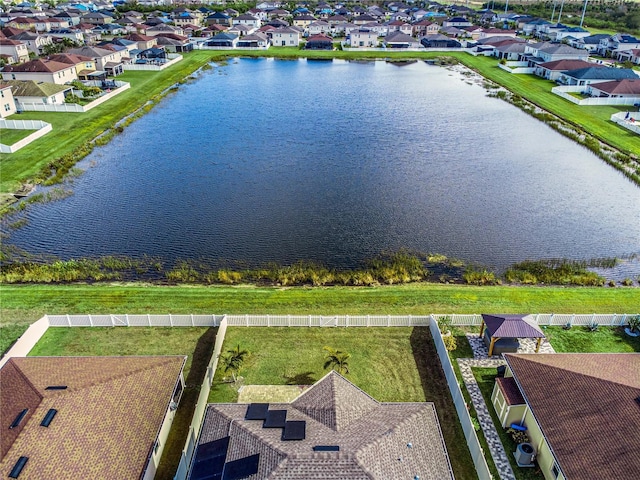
(525, 455)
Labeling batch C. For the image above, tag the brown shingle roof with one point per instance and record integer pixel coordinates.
(38, 66)
(587, 408)
(626, 86)
(371, 436)
(511, 326)
(108, 417)
(510, 390)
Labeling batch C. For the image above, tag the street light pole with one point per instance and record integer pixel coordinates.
(584, 9)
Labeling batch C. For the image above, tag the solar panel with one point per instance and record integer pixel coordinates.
(17, 468)
(257, 411)
(48, 417)
(275, 419)
(241, 468)
(209, 460)
(18, 418)
(326, 448)
(294, 430)
(56, 387)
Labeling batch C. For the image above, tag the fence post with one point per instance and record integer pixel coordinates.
(551, 319)
(170, 320)
(90, 320)
(127, 319)
(246, 318)
(268, 321)
(288, 320)
(537, 319)
(368, 321)
(346, 321)
(613, 320)
(192, 322)
(309, 320)
(388, 320)
(149, 318)
(68, 320)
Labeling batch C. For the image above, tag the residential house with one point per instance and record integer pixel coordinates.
(453, 31)
(87, 417)
(458, 22)
(303, 21)
(319, 42)
(14, 49)
(260, 14)
(96, 18)
(511, 51)
(573, 33)
(174, 43)
(362, 19)
(363, 37)
(473, 32)
(41, 70)
(625, 88)
(254, 40)
(332, 430)
(400, 40)
(595, 74)
(439, 41)
(222, 40)
(74, 35)
(553, 70)
(185, 19)
(29, 91)
(533, 27)
(144, 42)
(319, 27)
(23, 23)
(7, 102)
(496, 32)
(580, 411)
(632, 56)
(248, 20)
(70, 16)
(285, 37)
(613, 45)
(241, 30)
(108, 60)
(85, 66)
(399, 26)
(548, 52)
(590, 43)
(34, 41)
(425, 27)
(219, 18)
(162, 28)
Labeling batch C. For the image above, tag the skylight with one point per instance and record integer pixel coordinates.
(48, 417)
(17, 468)
(19, 418)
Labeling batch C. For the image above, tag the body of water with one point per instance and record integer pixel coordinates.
(268, 160)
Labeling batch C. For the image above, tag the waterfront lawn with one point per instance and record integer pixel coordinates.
(486, 378)
(581, 339)
(391, 364)
(74, 129)
(9, 136)
(196, 343)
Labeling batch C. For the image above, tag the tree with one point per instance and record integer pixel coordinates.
(233, 360)
(336, 360)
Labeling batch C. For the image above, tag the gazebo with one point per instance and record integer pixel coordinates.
(510, 326)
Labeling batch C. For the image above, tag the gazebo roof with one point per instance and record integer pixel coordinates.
(511, 326)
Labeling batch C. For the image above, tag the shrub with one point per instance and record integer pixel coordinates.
(634, 324)
(450, 343)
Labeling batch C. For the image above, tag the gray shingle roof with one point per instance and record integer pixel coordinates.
(372, 437)
(601, 73)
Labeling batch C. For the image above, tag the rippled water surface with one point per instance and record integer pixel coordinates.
(267, 160)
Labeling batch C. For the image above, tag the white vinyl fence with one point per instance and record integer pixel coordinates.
(565, 92)
(73, 107)
(41, 128)
(477, 454)
(174, 58)
(628, 120)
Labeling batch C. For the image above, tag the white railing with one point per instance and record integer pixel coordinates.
(460, 320)
(42, 128)
(175, 58)
(628, 120)
(73, 107)
(477, 454)
(517, 69)
(201, 406)
(565, 92)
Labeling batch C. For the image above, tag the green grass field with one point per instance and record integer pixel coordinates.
(11, 136)
(581, 339)
(390, 364)
(196, 343)
(23, 304)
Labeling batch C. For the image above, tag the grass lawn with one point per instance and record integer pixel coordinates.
(391, 364)
(197, 343)
(23, 304)
(463, 350)
(581, 339)
(486, 379)
(9, 136)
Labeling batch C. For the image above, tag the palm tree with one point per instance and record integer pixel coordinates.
(336, 360)
(232, 361)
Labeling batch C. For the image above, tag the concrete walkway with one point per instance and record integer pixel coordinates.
(481, 359)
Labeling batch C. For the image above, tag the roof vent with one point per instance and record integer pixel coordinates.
(46, 421)
(56, 387)
(326, 448)
(18, 418)
(17, 468)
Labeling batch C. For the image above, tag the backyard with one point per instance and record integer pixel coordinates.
(390, 364)
(196, 343)
(9, 136)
